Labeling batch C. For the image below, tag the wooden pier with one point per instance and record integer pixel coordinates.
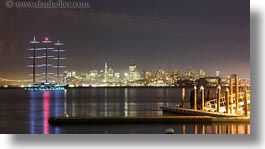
(192, 112)
(225, 104)
(144, 120)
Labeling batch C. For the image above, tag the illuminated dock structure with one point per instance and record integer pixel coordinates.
(46, 84)
(229, 104)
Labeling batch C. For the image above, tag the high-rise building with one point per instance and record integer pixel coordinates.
(176, 72)
(133, 74)
(161, 74)
(190, 71)
(68, 74)
(93, 75)
(73, 73)
(147, 74)
(132, 67)
(202, 73)
(117, 75)
(106, 73)
(83, 75)
(218, 73)
(110, 74)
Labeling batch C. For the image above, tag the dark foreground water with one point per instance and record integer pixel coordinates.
(28, 111)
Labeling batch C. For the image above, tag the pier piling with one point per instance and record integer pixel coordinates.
(183, 97)
(245, 104)
(202, 96)
(218, 97)
(236, 84)
(227, 100)
(195, 98)
(231, 94)
(183, 129)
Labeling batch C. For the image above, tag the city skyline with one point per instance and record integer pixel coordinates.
(176, 34)
(109, 66)
(132, 77)
(122, 71)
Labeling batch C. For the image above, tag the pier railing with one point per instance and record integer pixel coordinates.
(211, 105)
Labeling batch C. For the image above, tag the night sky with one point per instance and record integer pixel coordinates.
(169, 34)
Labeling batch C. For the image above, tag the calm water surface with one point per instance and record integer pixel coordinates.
(28, 111)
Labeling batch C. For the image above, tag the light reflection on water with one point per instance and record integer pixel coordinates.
(44, 104)
(46, 111)
(38, 106)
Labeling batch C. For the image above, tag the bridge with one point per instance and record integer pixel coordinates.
(4, 82)
(19, 83)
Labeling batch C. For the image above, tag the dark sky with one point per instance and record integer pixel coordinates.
(169, 34)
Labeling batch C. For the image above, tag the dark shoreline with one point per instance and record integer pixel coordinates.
(110, 87)
(120, 87)
(145, 120)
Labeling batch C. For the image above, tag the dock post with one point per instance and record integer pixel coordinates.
(195, 97)
(195, 129)
(227, 100)
(231, 85)
(218, 97)
(203, 129)
(183, 97)
(231, 93)
(236, 83)
(202, 96)
(245, 103)
(183, 129)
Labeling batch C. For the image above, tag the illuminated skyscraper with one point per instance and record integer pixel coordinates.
(73, 73)
(217, 73)
(93, 75)
(147, 74)
(132, 67)
(133, 73)
(117, 75)
(190, 71)
(106, 73)
(202, 73)
(110, 73)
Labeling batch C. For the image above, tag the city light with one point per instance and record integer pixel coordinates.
(132, 77)
(137, 78)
